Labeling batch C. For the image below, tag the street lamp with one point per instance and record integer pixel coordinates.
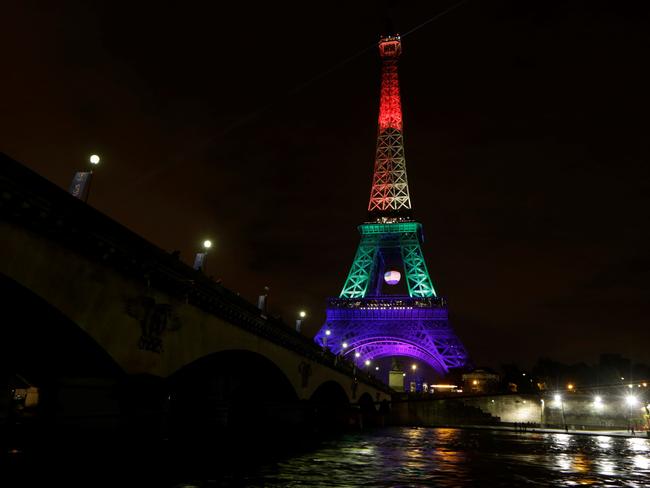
(558, 399)
(631, 401)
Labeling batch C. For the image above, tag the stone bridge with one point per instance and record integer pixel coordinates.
(106, 324)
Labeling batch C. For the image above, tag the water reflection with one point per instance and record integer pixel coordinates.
(604, 442)
(456, 458)
(638, 445)
(561, 441)
(606, 466)
(642, 462)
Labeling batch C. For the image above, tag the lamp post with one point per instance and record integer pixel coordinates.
(558, 399)
(94, 161)
(414, 368)
(631, 401)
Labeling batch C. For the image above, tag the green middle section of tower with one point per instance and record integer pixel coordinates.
(405, 235)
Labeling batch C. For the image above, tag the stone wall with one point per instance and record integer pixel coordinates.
(576, 410)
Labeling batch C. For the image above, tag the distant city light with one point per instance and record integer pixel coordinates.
(598, 402)
(557, 398)
(207, 244)
(94, 159)
(328, 332)
(344, 345)
(631, 400)
(475, 382)
(357, 354)
(367, 362)
(376, 368)
(302, 314)
(570, 386)
(414, 367)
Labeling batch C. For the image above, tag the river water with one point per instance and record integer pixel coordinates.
(389, 457)
(445, 457)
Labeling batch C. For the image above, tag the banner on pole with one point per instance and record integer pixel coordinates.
(199, 260)
(79, 185)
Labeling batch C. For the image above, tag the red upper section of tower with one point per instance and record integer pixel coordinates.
(390, 108)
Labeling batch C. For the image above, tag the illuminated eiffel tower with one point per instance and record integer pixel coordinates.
(378, 314)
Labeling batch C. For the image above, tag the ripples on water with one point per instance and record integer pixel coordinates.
(412, 457)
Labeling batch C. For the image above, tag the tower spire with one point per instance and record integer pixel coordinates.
(389, 196)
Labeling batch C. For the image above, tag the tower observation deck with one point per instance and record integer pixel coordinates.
(378, 313)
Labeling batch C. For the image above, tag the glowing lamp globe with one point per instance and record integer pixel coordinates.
(392, 277)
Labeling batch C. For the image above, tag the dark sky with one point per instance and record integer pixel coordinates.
(526, 130)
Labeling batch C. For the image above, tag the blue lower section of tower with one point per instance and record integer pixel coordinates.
(366, 329)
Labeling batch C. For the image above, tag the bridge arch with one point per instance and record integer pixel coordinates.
(66, 373)
(330, 407)
(367, 404)
(330, 393)
(42, 344)
(230, 390)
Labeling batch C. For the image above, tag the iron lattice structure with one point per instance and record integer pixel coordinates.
(365, 322)
(390, 192)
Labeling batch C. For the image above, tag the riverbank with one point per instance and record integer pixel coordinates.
(510, 428)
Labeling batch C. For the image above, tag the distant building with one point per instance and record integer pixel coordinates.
(480, 381)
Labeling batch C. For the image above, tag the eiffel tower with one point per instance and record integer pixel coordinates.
(378, 314)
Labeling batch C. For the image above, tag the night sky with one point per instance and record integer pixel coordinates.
(526, 132)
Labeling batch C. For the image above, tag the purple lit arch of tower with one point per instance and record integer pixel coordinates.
(381, 347)
(400, 326)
